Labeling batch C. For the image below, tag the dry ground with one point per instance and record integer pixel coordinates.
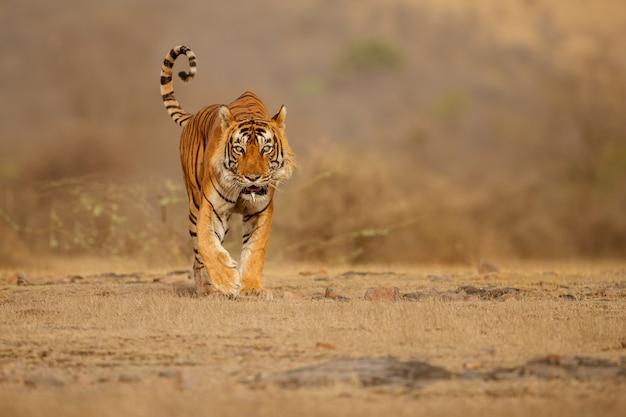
(142, 344)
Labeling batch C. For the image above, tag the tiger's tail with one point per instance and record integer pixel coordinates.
(172, 105)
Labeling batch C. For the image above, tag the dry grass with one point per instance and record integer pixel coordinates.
(104, 341)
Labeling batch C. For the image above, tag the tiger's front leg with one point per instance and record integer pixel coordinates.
(221, 268)
(256, 230)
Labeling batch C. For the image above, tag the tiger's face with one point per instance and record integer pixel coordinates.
(256, 155)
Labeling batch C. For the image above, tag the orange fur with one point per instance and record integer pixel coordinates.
(233, 157)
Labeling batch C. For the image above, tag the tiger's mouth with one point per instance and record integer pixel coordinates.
(254, 189)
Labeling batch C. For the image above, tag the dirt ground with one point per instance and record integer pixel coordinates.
(515, 339)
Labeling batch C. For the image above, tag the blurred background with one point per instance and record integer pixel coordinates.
(431, 131)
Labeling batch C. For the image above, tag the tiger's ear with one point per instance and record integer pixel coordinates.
(280, 117)
(226, 117)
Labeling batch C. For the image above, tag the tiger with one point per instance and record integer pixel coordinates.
(233, 158)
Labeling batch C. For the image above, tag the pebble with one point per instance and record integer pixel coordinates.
(383, 294)
(485, 267)
(334, 294)
(18, 278)
(324, 345)
(43, 380)
(128, 378)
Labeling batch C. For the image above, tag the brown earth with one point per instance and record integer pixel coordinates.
(527, 339)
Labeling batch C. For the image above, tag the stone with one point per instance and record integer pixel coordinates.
(439, 278)
(18, 278)
(128, 378)
(488, 293)
(567, 297)
(324, 345)
(320, 271)
(413, 296)
(170, 373)
(362, 371)
(334, 294)
(43, 380)
(485, 267)
(383, 294)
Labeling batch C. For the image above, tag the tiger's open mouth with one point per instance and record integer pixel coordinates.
(253, 189)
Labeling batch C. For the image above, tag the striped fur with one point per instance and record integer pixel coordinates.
(172, 105)
(233, 158)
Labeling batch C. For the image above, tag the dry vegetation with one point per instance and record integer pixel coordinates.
(430, 131)
(435, 132)
(142, 344)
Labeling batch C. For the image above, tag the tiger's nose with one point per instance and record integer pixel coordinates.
(253, 177)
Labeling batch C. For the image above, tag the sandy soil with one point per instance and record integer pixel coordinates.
(528, 339)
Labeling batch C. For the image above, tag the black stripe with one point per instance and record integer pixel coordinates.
(192, 218)
(183, 49)
(215, 212)
(168, 63)
(248, 235)
(213, 208)
(195, 167)
(174, 113)
(249, 216)
(174, 54)
(166, 79)
(192, 62)
(173, 106)
(168, 96)
(220, 194)
(193, 234)
(218, 237)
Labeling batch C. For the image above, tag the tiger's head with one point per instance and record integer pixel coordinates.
(256, 155)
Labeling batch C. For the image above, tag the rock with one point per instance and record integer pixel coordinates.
(439, 278)
(472, 366)
(170, 373)
(567, 297)
(488, 293)
(334, 294)
(128, 378)
(322, 278)
(413, 296)
(508, 297)
(450, 296)
(43, 380)
(362, 371)
(18, 278)
(327, 346)
(485, 267)
(382, 294)
(321, 271)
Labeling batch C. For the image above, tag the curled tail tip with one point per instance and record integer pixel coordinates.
(186, 76)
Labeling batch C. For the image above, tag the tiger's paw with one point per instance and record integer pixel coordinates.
(260, 293)
(226, 282)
